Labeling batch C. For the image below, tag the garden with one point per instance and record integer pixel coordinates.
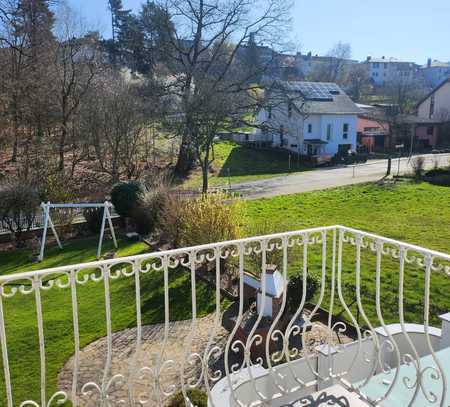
(416, 212)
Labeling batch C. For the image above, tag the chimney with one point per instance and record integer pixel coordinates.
(383, 57)
(369, 58)
(429, 63)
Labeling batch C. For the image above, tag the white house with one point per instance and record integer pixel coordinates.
(436, 105)
(435, 72)
(309, 118)
(382, 70)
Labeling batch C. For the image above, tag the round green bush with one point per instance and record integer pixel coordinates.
(197, 397)
(125, 196)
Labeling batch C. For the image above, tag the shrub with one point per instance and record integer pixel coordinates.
(146, 214)
(172, 221)
(208, 219)
(418, 165)
(94, 217)
(197, 397)
(57, 188)
(125, 196)
(19, 203)
(295, 290)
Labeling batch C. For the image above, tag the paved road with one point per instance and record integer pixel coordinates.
(331, 177)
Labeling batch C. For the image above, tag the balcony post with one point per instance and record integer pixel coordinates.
(445, 332)
(325, 364)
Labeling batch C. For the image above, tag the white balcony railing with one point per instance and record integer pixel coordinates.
(366, 331)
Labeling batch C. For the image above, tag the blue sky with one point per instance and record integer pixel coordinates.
(406, 29)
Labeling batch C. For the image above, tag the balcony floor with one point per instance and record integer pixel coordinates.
(401, 395)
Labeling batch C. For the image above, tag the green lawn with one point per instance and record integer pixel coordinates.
(237, 163)
(20, 314)
(416, 213)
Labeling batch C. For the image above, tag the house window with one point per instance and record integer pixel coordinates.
(430, 130)
(289, 109)
(269, 111)
(376, 65)
(345, 131)
(293, 145)
(432, 102)
(329, 131)
(309, 128)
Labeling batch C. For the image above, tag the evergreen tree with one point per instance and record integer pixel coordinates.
(252, 60)
(130, 42)
(158, 33)
(33, 23)
(118, 15)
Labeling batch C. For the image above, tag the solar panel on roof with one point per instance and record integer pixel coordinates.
(315, 90)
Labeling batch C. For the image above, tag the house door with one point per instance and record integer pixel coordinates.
(310, 149)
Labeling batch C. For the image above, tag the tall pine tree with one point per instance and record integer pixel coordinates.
(117, 12)
(33, 23)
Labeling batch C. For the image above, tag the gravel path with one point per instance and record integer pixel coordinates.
(93, 359)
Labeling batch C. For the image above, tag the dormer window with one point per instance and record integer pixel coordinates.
(309, 128)
(269, 112)
(289, 109)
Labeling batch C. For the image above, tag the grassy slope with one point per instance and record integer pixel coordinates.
(416, 213)
(21, 326)
(244, 164)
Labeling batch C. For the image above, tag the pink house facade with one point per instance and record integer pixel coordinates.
(427, 136)
(373, 135)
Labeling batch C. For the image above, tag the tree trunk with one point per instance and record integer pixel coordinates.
(186, 158)
(16, 131)
(62, 143)
(205, 178)
(16, 143)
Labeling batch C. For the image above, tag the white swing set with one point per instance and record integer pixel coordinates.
(47, 206)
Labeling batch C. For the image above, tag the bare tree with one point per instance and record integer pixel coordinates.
(334, 66)
(76, 64)
(205, 46)
(357, 82)
(115, 120)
